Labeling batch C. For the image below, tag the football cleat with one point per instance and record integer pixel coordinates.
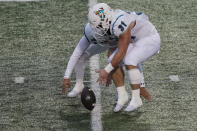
(88, 98)
(118, 107)
(131, 108)
(76, 90)
(133, 105)
(73, 93)
(120, 103)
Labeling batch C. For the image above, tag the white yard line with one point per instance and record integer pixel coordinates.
(94, 64)
(83, 81)
(91, 2)
(96, 113)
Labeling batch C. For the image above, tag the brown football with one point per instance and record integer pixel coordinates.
(88, 98)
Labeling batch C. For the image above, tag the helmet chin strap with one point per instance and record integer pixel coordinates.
(108, 32)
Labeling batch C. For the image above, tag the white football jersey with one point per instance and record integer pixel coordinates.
(88, 33)
(122, 19)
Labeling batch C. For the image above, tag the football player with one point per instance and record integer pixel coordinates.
(138, 40)
(86, 48)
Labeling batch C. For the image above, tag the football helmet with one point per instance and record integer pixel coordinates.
(100, 17)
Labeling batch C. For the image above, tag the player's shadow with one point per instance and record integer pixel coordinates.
(75, 119)
(78, 119)
(124, 121)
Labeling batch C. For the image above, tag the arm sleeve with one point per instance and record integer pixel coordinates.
(79, 50)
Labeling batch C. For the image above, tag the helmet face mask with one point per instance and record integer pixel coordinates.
(100, 35)
(99, 17)
(99, 32)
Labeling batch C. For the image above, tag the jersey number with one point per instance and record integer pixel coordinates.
(122, 26)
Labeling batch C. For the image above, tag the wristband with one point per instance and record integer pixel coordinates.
(109, 68)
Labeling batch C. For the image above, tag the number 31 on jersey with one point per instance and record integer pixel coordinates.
(122, 26)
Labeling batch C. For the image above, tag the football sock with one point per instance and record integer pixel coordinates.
(122, 95)
(136, 100)
(122, 98)
(79, 85)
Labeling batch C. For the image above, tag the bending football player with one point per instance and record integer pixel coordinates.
(87, 47)
(138, 40)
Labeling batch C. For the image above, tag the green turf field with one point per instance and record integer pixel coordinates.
(36, 40)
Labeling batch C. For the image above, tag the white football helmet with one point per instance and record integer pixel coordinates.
(100, 17)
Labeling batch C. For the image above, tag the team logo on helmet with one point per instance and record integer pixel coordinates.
(100, 13)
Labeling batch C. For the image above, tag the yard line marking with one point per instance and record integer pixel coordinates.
(20, 0)
(91, 3)
(96, 112)
(83, 81)
(94, 64)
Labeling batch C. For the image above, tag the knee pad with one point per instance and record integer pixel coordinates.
(134, 76)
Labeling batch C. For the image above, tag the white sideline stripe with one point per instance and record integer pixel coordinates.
(19, 0)
(91, 2)
(96, 113)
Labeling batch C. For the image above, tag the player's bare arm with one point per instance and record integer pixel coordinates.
(123, 44)
(109, 78)
(80, 48)
(122, 49)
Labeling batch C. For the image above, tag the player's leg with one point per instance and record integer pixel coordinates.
(80, 68)
(118, 79)
(137, 53)
(79, 73)
(143, 91)
(135, 80)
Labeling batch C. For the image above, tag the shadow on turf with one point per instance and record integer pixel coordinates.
(76, 120)
(124, 121)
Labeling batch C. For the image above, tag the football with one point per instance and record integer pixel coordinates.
(88, 98)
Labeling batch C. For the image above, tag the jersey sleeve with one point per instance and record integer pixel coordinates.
(88, 33)
(121, 24)
(79, 50)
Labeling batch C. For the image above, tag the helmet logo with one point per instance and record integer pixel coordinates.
(100, 13)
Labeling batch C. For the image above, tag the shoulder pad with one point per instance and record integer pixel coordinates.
(121, 22)
(88, 32)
